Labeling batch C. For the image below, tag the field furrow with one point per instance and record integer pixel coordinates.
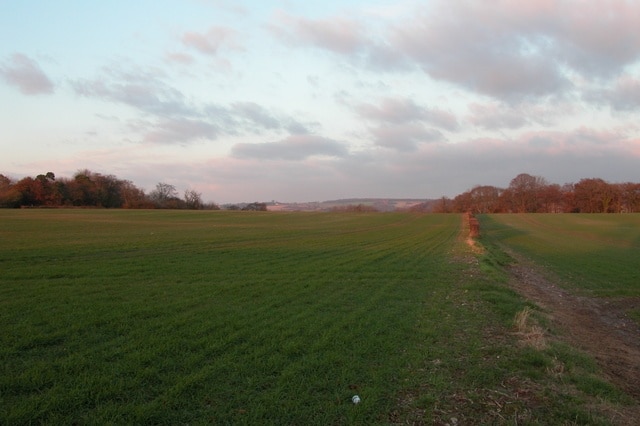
(177, 317)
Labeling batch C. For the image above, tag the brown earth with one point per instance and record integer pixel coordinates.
(597, 326)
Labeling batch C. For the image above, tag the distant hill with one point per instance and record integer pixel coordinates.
(379, 204)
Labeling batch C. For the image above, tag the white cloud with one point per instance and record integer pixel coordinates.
(622, 95)
(167, 116)
(510, 50)
(176, 130)
(404, 137)
(497, 115)
(405, 110)
(337, 34)
(144, 90)
(180, 58)
(25, 74)
(292, 148)
(210, 42)
(401, 124)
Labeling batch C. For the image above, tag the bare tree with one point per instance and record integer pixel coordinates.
(164, 195)
(193, 199)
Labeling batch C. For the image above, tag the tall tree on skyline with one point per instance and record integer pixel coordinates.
(525, 192)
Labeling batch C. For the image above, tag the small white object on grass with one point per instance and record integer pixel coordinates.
(356, 399)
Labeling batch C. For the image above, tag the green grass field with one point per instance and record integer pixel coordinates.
(185, 317)
(598, 254)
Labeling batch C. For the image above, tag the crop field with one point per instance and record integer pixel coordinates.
(191, 317)
(597, 254)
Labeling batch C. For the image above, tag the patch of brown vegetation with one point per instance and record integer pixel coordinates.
(530, 333)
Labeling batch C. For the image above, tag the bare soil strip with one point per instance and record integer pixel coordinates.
(597, 326)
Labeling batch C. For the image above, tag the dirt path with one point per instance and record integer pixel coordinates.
(597, 326)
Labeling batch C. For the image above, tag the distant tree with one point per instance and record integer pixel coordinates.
(462, 203)
(525, 191)
(485, 199)
(443, 205)
(5, 182)
(355, 208)
(594, 196)
(108, 190)
(568, 198)
(629, 197)
(40, 191)
(25, 187)
(257, 207)
(164, 196)
(480, 199)
(9, 195)
(551, 199)
(193, 199)
(134, 197)
(210, 205)
(82, 189)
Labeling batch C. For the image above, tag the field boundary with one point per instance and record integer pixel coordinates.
(597, 326)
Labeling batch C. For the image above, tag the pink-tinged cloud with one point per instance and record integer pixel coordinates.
(623, 95)
(494, 116)
(392, 110)
(292, 148)
(514, 50)
(341, 36)
(177, 131)
(626, 94)
(580, 142)
(25, 74)
(598, 36)
(405, 110)
(257, 115)
(144, 90)
(210, 42)
(180, 58)
(500, 115)
(337, 34)
(402, 125)
(404, 137)
(482, 47)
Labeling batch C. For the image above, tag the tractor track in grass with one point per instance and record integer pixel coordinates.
(598, 326)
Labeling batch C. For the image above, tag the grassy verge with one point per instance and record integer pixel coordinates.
(568, 380)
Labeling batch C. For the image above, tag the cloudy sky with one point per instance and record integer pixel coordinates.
(306, 101)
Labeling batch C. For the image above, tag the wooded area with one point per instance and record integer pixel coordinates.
(525, 194)
(89, 189)
(533, 194)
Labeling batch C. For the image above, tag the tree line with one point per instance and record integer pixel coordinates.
(533, 194)
(90, 189)
(525, 194)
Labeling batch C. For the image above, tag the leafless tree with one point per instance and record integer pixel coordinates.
(193, 199)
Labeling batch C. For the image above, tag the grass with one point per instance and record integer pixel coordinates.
(169, 317)
(176, 317)
(594, 253)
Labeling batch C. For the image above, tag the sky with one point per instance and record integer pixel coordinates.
(299, 101)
